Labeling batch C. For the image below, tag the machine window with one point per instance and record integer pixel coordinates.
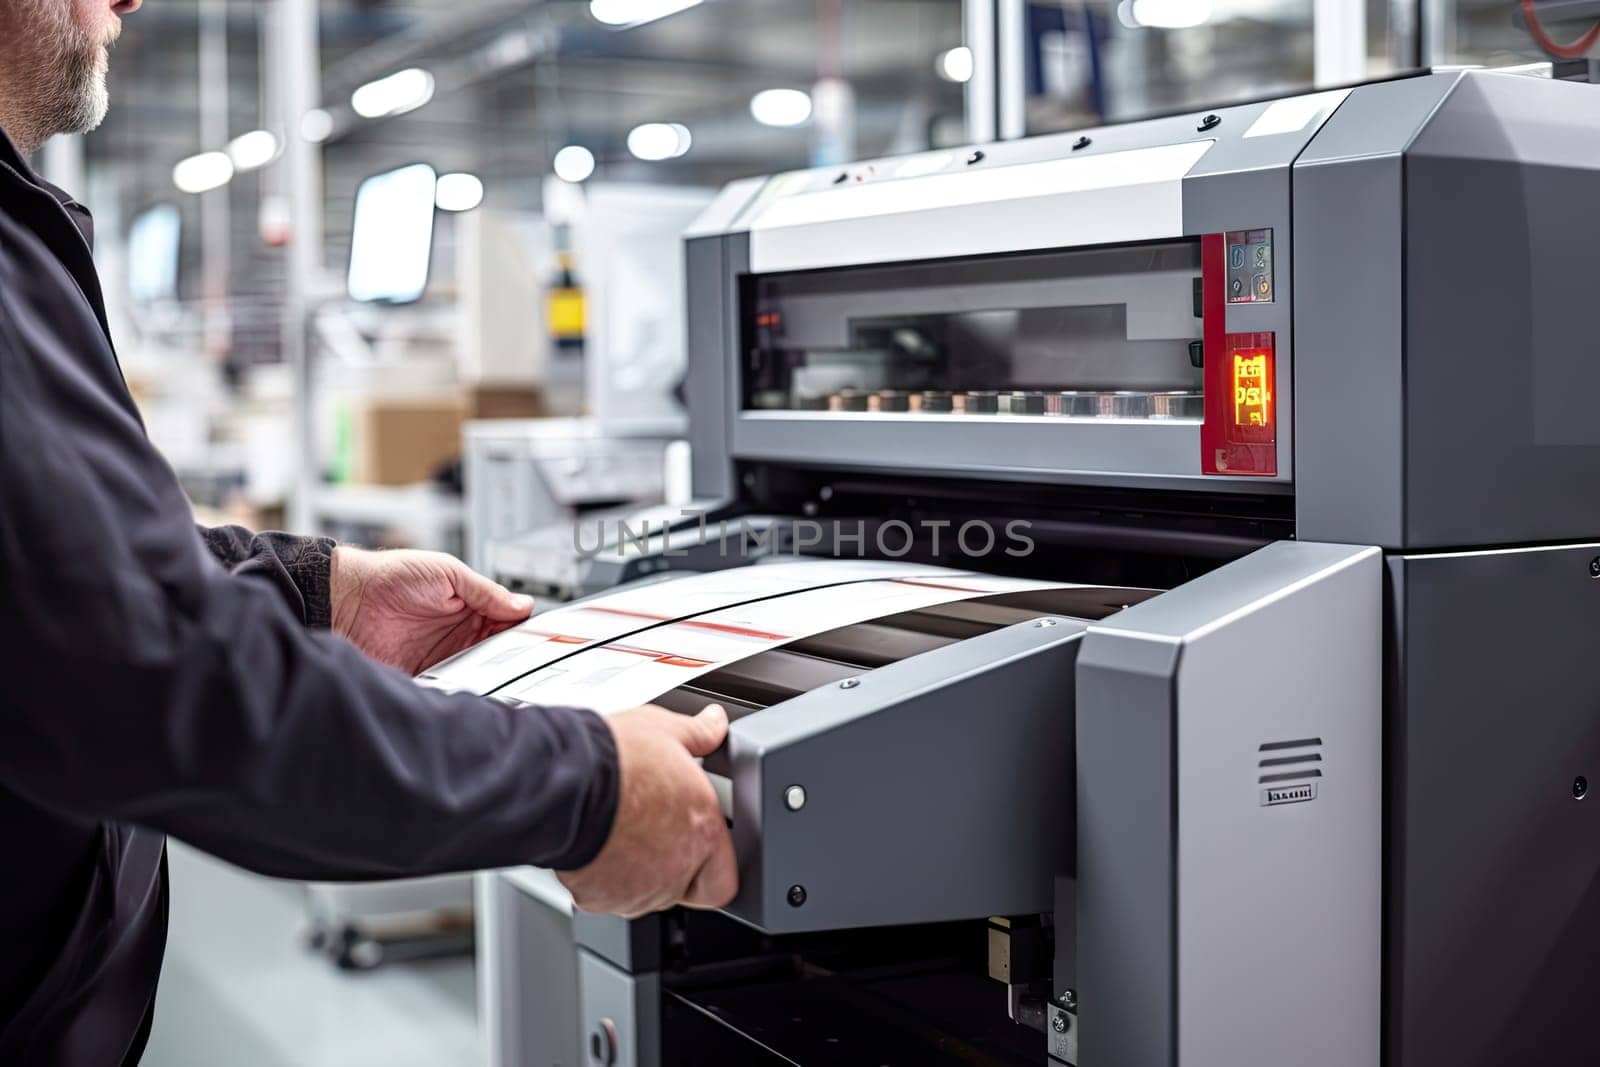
(1087, 333)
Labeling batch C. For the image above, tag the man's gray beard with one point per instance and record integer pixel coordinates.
(70, 80)
(80, 102)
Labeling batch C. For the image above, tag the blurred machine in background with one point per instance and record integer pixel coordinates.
(1273, 741)
(525, 477)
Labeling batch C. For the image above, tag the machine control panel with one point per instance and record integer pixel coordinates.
(1240, 431)
(1249, 266)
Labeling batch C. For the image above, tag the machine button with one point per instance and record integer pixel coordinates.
(1262, 286)
(603, 1043)
(1236, 286)
(1236, 257)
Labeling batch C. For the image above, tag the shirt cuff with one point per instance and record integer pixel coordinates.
(311, 570)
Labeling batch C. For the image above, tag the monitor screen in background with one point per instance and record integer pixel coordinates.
(153, 246)
(392, 238)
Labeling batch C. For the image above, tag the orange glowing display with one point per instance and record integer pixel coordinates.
(1252, 390)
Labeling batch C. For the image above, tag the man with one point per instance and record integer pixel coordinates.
(158, 680)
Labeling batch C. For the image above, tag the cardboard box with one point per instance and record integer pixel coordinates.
(404, 441)
(506, 402)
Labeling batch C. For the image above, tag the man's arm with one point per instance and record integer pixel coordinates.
(143, 683)
(298, 567)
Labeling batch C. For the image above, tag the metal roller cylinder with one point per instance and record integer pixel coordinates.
(1177, 405)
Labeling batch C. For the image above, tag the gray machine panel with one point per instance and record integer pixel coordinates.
(926, 798)
(1446, 363)
(1078, 451)
(1127, 826)
(1493, 884)
(1229, 812)
(1502, 349)
(1238, 141)
(706, 391)
(631, 944)
(1349, 205)
(619, 1015)
(527, 970)
(1349, 387)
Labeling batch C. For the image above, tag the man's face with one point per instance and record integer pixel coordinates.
(57, 50)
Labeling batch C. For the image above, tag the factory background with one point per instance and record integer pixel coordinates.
(308, 361)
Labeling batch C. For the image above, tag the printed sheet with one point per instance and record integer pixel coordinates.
(556, 634)
(624, 673)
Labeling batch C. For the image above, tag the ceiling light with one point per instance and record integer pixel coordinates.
(316, 125)
(956, 64)
(511, 49)
(634, 12)
(574, 163)
(659, 140)
(204, 172)
(781, 107)
(1169, 14)
(249, 151)
(402, 91)
(458, 192)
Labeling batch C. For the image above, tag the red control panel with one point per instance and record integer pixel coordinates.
(1240, 432)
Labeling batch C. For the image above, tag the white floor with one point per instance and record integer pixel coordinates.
(240, 987)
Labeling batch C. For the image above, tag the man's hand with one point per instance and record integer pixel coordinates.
(669, 844)
(413, 609)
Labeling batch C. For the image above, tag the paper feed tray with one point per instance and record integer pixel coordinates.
(902, 745)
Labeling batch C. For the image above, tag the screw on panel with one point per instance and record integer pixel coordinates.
(1594, 567)
(794, 798)
(1069, 1000)
(1081, 142)
(1058, 1023)
(849, 683)
(1045, 622)
(797, 895)
(603, 1043)
(1210, 122)
(1580, 787)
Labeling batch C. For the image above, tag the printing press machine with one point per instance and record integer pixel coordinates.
(1277, 749)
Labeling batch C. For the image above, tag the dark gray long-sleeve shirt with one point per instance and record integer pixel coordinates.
(155, 679)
